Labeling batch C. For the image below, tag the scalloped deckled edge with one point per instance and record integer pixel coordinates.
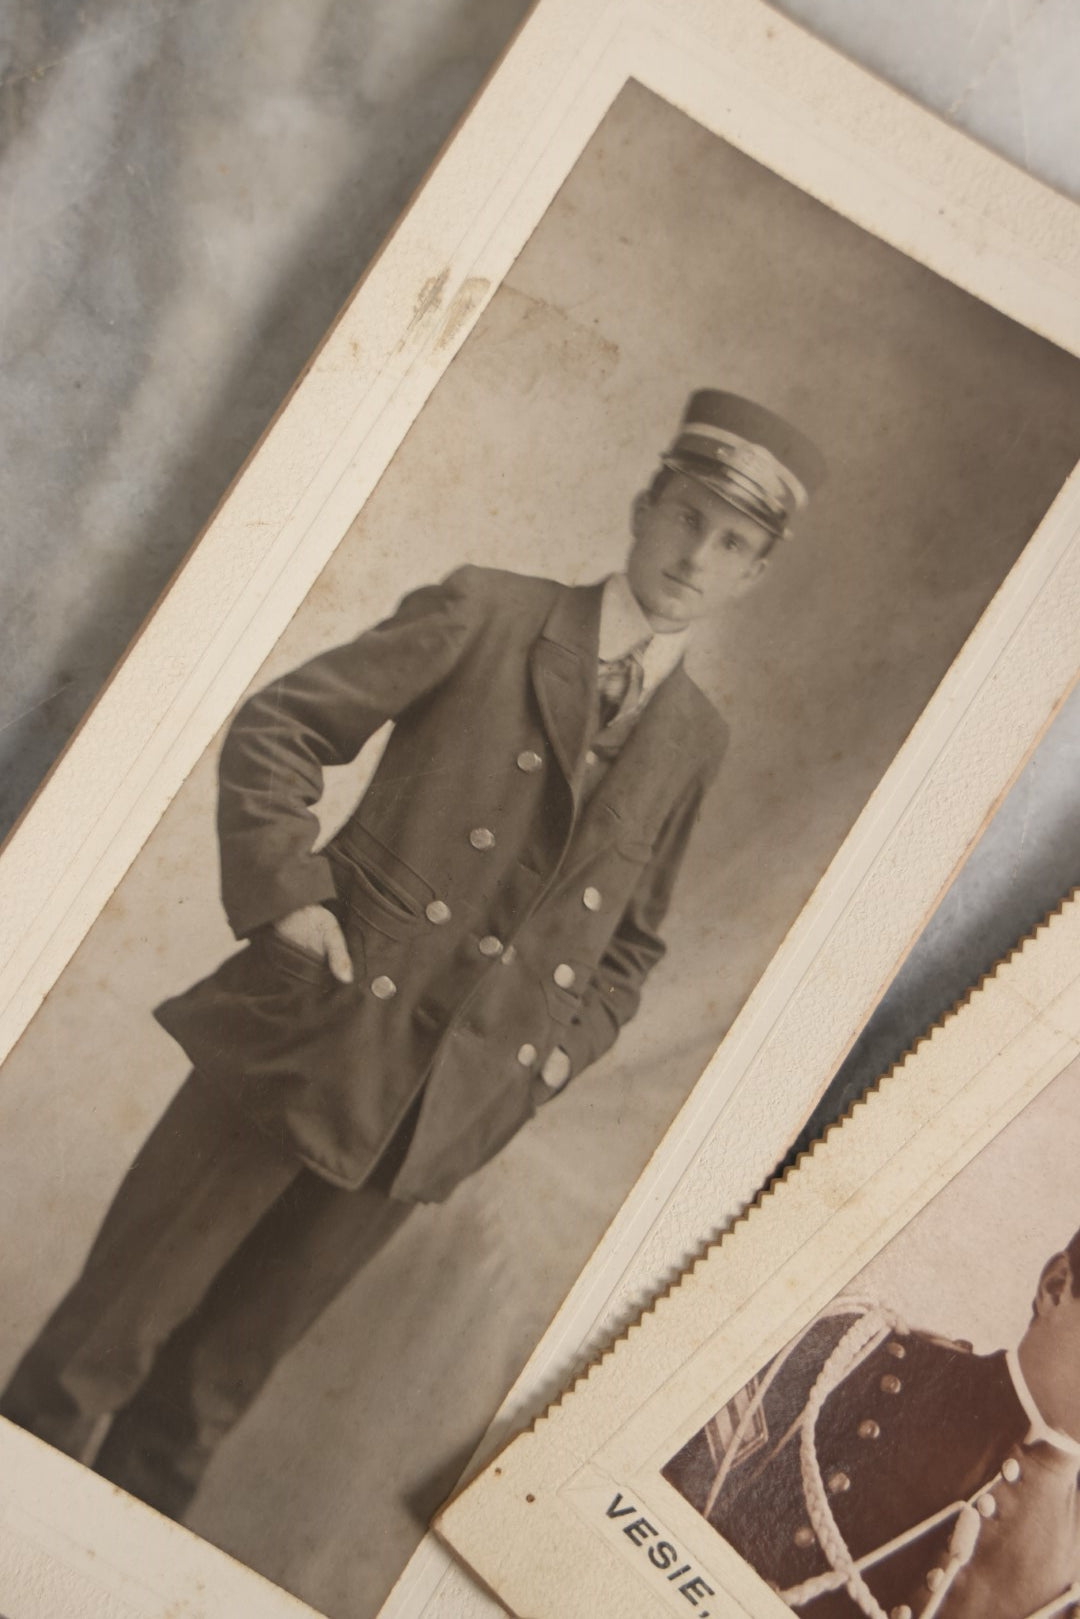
(895, 1147)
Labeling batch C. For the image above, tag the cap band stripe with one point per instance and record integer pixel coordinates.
(754, 461)
(741, 493)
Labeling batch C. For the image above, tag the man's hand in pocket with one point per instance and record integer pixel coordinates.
(317, 931)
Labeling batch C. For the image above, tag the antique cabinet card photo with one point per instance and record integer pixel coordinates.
(865, 1401)
(528, 786)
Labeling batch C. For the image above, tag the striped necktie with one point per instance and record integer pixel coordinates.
(620, 682)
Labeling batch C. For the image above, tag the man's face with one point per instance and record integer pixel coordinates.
(692, 552)
(1050, 1350)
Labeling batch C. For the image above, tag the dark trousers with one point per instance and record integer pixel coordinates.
(217, 1254)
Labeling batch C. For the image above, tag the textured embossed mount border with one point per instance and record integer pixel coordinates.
(528, 1524)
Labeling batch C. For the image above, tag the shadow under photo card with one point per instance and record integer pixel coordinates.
(874, 644)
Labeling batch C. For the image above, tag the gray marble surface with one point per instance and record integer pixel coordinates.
(189, 190)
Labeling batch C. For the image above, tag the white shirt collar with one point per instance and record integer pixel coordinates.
(623, 625)
(1040, 1431)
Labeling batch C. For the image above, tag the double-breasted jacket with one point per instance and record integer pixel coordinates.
(918, 1426)
(501, 890)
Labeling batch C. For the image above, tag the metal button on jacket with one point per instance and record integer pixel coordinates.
(934, 1578)
(890, 1384)
(1010, 1469)
(482, 837)
(527, 1055)
(592, 899)
(902, 1612)
(383, 988)
(437, 911)
(564, 975)
(490, 946)
(529, 761)
(897, 1351)
(868, 1429)
(804, 1536)
(590, 757)
(839, 1483)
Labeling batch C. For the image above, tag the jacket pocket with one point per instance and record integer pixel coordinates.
(282, 955)
(382, 890)
(564, 1004)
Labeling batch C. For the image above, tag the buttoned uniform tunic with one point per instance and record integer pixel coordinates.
(493, 909)
(921, 1424)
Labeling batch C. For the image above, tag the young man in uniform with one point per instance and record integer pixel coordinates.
(874, 1470)
(470, 941)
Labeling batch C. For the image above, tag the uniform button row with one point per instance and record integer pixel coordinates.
(483, 838)
(902, 1612)
(529, 761)
(527, 1054)
(564, 975)
(890, 1384)
(437, 912)
(383, 987)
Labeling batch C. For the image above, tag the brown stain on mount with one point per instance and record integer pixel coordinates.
(469, 295)
(428, 298)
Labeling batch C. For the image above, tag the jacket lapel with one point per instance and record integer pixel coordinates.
(563, 667)
(654, 762)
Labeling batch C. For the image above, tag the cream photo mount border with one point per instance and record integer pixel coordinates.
(766, 86)
(533, 1523)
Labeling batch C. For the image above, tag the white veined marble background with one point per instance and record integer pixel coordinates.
(189, 189)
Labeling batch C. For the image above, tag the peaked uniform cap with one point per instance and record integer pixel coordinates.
(748, 454)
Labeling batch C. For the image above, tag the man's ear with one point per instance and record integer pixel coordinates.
(756, 570)
(753, 576)
(1054, 1283)
(641, 503)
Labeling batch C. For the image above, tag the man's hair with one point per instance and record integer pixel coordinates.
(1072, 1254)
(661, 478)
